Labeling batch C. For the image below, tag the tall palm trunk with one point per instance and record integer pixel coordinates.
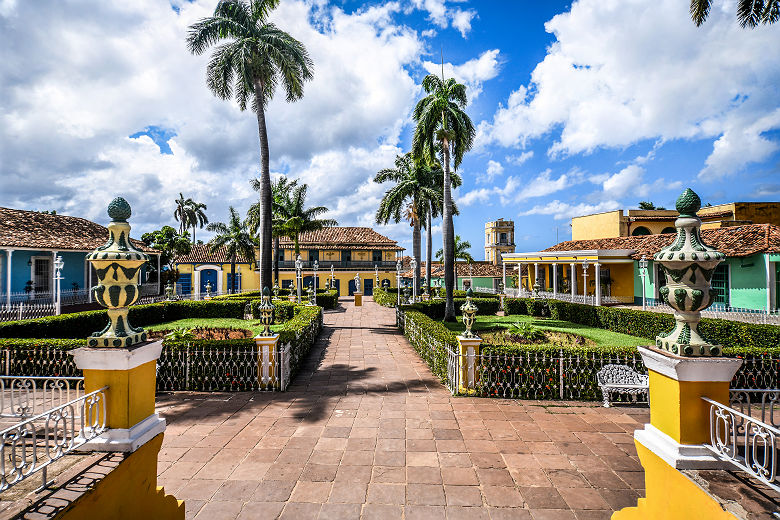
(265, 193)
(276, 260)
(193, 234)
(448, 236)
(428, 247)
(416, 243)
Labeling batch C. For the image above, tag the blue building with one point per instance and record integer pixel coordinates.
(29, 244)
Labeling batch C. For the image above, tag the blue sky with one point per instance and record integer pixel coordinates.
(581, 107)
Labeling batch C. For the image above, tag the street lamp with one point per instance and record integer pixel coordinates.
(298, 267)
(376, 271)
(398, 267)
(585, 265)
(316, 268)
(58, 265)
(643, 276)
(414, 280)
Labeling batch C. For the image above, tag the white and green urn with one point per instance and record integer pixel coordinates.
(688, 264)
(118, 267)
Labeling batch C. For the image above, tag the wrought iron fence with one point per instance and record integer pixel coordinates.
(757, 316)
(32, 445)
(743, 439)
(26, 396)
(26, 311)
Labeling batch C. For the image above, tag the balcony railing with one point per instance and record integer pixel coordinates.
(26, 396)
(748, 437)
(30, 446)
(340, 264)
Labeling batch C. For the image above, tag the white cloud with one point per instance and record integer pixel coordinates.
(518, 160)
(76, 80)
(563, 210)
(608, 81)
(620, 183)
(442, 15)
(493, 170)
(472, 73)
(515, 190)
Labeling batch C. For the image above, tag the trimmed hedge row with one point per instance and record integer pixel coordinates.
(385, 297)
(435, 308)
(82, 324)
(420, 329)
(736, 337)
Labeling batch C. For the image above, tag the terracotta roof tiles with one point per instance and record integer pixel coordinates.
(343, 237)
(735, 241)
(201, 254)
(34, 230)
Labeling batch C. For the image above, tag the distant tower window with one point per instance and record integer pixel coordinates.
(503, 238)
(640, 231)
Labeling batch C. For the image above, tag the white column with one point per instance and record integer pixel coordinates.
(503, 273)
(536, 274)
(598, 283)
(196, 282)
(519, 278)
(53, 277)
(573, 281)
(555, 279)
(89, 281)
(8, 253)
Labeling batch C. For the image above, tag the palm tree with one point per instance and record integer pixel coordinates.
(181, 213)
(196, 216)
(750, 13)
(443, 127)
(414, 192)
(461, 252)
(280, 202)
(295, 218)
(434, 210)
(256, 58)
(236, 240)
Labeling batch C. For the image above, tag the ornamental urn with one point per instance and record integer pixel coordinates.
(266, 310)
(118, 267)
(469, 310)
(688, 265)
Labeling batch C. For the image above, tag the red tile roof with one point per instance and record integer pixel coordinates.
(735, 241)
(201, 254)
(34, 230)
(342, 238)
(483, 269)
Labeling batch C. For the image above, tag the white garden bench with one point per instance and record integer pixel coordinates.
(622, 379)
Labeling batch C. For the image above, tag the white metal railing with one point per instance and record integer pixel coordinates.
(26, 311)
(758, 316)
(25, 396)
(31, 445)
(743, 439)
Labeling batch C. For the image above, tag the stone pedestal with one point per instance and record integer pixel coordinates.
(674, 439)
(130, 374)
(358, 299)
(267, 368)
(468, 354)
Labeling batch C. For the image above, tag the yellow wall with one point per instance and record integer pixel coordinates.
(330, 255)
(344, 277)
(670, 495)
(600, 225)
(361, 256)
(129, 492)
(622, 276)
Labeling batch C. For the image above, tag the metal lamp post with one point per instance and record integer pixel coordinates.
(298, 267)
(585, 265)
(266, 313)
(276, 290)
(643, 276)
(398, 267)
(414, 280)
(316, 268)
(332, 277)
(376, 271)
(58, 265)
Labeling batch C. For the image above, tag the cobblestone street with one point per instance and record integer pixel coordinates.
(365, 431)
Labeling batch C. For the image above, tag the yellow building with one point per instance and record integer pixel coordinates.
(635, 222)
(499, 238)
(340, 253)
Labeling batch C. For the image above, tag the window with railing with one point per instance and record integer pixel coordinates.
(720, 282)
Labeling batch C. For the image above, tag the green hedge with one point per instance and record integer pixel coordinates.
(385, 297)
(419, 329)
(435, 308)
(737, 338)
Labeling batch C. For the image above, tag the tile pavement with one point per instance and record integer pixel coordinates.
(367, 432)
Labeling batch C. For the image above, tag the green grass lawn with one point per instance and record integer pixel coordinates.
(601, 337)
(233, 323)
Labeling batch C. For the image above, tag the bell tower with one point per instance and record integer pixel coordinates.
(499, 238)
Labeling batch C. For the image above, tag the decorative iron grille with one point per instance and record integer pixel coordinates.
(26, 396)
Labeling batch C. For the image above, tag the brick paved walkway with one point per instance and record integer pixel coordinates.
(367, 432)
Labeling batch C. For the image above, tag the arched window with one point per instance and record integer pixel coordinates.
(668, 230)
(640, 231)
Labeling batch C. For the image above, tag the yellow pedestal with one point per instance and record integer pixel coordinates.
(268, 374)
(674, 440)
(358, 299)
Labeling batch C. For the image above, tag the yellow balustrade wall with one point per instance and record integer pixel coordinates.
(128, 492)
(600, 225)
